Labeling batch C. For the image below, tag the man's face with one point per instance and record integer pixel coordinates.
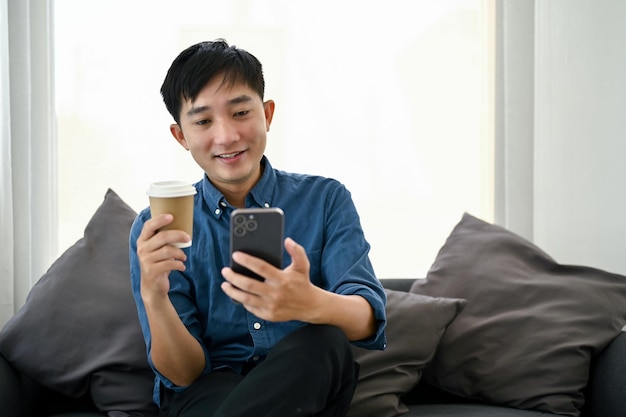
(225, 130)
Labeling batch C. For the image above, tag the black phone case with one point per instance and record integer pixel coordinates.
(258, 232)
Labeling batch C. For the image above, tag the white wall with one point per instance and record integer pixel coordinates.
(570, 195)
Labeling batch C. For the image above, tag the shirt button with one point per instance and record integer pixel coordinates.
(217, 211)
(222, 204)
(266, 205)
(256, 325)
(255, 358)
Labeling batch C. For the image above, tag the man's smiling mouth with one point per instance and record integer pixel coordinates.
(229, 155)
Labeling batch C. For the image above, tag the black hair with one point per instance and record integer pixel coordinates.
(197, 65)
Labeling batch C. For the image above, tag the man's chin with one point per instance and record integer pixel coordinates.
(229, 179)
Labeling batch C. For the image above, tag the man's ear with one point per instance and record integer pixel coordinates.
(268, 106)
(178, 134)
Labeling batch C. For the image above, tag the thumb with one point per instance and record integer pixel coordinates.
(299, 260)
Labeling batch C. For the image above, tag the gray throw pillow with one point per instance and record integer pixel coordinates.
(78, 331)
(531, 326)
(415, 323)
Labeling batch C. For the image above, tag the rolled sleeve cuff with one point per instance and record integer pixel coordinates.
(378, 341)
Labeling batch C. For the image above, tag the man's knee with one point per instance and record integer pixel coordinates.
(313, 335)
(315, 346)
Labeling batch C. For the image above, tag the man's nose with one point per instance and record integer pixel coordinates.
(225, 132)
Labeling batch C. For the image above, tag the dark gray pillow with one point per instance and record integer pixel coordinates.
(415, 323)
(78, 330)
(531, 325)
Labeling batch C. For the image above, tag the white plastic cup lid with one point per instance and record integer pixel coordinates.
(164, 189)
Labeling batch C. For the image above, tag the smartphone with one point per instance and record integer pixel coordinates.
(258, 232)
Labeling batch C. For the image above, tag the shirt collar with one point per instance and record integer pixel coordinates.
(261, 194)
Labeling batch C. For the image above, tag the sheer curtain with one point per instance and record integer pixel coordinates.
(28, 213)
(6, 200)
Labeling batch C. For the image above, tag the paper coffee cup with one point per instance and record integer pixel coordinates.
(175, 198)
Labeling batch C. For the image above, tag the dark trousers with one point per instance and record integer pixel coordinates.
(310, 372)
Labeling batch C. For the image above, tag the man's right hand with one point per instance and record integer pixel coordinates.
(158, 256)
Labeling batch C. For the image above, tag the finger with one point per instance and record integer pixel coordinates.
(242, 282)
(256, 265)
(152, 237)
(233, 292)
(152, 226)
(299, 259)
(163, 259)
(239, 287)
(162, 245)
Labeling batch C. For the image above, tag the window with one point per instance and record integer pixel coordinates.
(393, 102)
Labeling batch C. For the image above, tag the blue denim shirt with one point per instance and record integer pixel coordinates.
(319, 215)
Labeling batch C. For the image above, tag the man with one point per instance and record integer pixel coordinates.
(221, 343)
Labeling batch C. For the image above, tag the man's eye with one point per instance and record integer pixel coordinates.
(242, 113)
(202, 122)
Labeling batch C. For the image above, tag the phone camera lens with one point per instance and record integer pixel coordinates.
(240, 230)
(239, 220)
(251, 225)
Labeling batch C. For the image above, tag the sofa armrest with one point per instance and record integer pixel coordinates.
(10, 393)
(607, 382)
(20, 396)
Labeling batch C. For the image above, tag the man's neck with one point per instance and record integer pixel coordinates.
(236, 194)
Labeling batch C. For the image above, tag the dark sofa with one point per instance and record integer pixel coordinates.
(22, 397)
(496, 329)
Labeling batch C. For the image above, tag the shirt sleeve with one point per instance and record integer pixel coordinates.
(135, 274)
(179, 300)
(345, 262)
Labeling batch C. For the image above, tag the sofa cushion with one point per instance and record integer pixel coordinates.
(78, 330)
(531, 325)
(415, 324)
